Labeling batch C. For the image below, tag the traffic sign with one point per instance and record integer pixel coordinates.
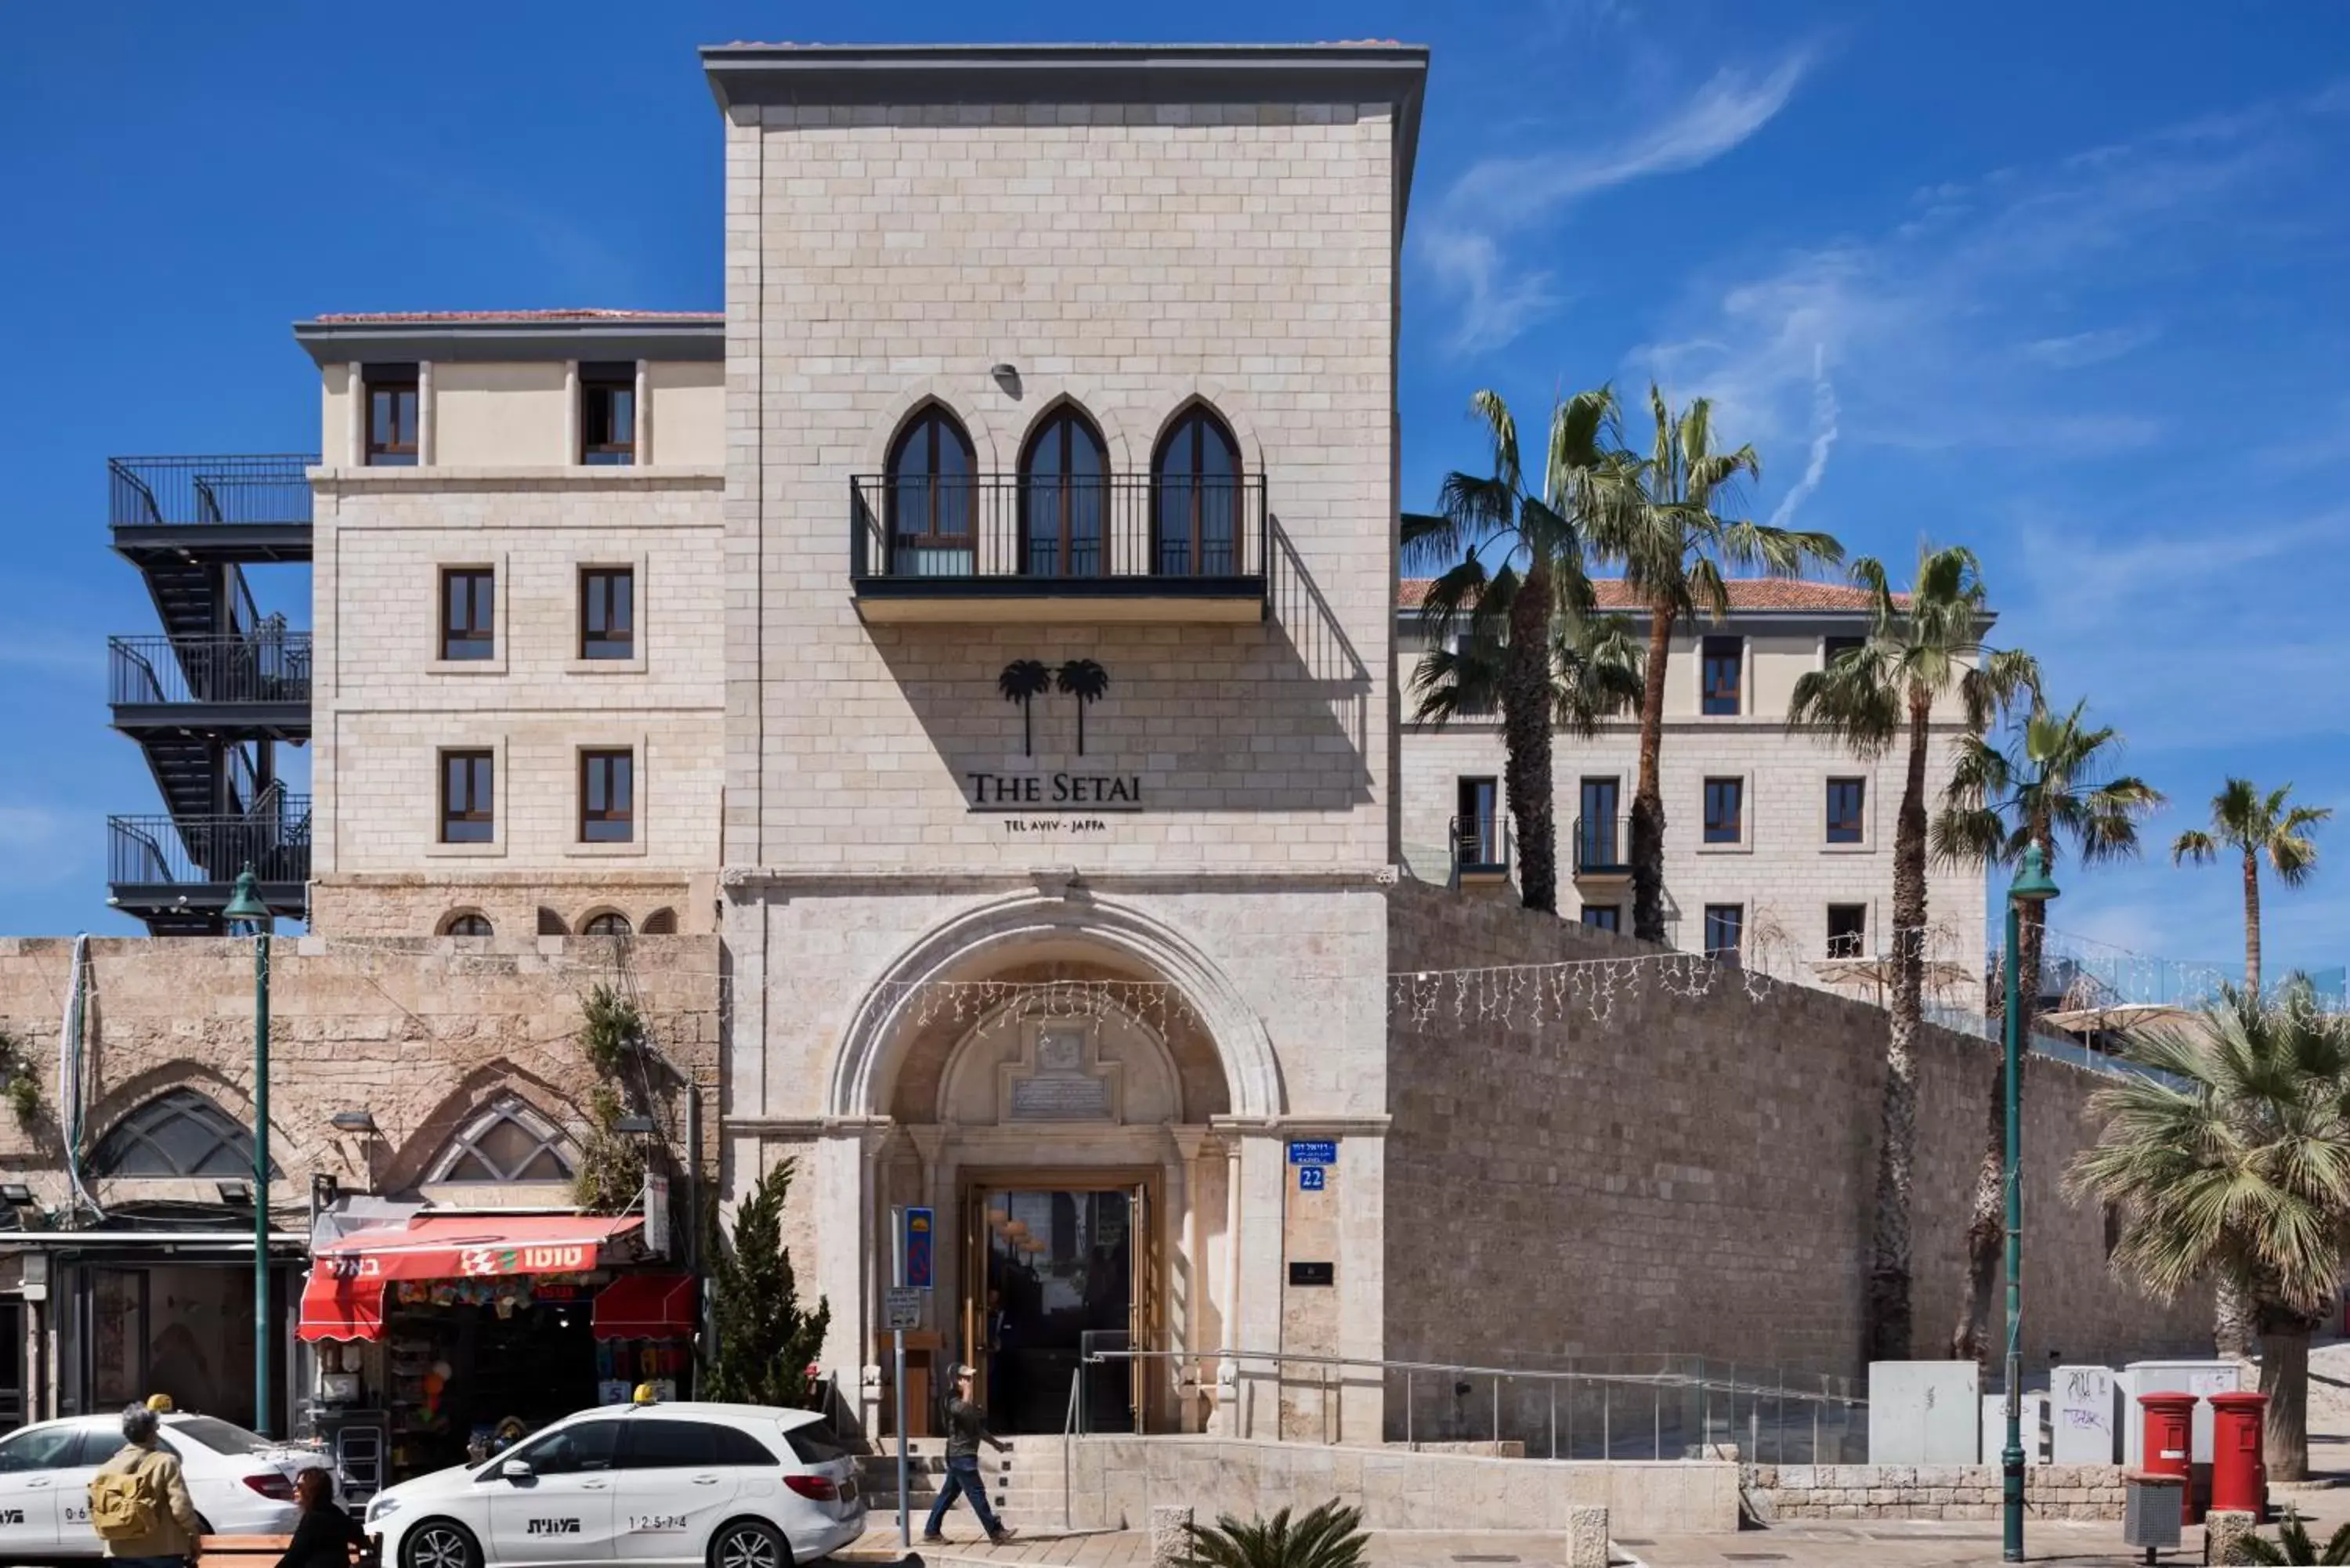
(904, 1306)
(920, 1224)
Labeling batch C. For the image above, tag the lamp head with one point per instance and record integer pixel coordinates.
(2031, 883)
(244, 900)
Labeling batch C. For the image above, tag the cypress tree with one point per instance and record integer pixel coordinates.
(766, 1344)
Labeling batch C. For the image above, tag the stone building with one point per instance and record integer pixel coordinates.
(961, 679)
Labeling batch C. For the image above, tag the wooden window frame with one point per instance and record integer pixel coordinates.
(485, 815)
(1736, 784)
(1613, 922)
(1736, 917)
(1485, 835)
(618, 450)
(1858, 945)
(1709, 657)
(1061, 492)
(396, 452)
(591, 758)
(600, 646)
(928, 426)
(1856, 826)
(1193, 424)
(477, 598)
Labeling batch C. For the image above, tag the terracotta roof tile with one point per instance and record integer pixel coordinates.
(1745, 594)
(584, 314)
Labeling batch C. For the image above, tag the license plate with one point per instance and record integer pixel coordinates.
(848, 1491)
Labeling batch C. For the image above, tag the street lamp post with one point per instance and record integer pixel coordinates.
(244, 905)
(2031, 886)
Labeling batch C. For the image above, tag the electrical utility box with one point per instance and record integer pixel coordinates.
(2034, 1423)
(1923, 1412)
(2085, 1416)
(2200, 1378)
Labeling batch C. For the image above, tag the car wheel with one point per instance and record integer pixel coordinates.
(440, 1543)
(749, 1544)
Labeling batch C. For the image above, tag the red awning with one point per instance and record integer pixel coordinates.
(341, 1308)
(645, 1306)
(474, 1246)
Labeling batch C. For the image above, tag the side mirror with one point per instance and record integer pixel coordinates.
(516, 1469)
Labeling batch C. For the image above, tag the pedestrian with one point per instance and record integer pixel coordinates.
(966, 1430)
(138, 1500)
(325, 1534)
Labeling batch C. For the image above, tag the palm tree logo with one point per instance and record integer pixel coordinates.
(1087, 681)
(1022, 680)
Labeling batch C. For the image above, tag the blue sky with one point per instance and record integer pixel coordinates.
(2059, 285)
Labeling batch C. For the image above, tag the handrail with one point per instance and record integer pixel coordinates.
(1600, 844)
(1065, 531)
(267, 665)
(210, 491)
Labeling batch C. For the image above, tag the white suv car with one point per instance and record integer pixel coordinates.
(241, 1482)
(695, 1485)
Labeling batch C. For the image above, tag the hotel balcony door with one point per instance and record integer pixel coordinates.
(1055, 1266)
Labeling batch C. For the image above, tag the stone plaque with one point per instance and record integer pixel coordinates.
(1058, 1054)
(1059, 1097)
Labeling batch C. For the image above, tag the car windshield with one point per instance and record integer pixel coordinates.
(220, 1437)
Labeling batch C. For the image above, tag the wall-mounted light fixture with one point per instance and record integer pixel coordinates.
(353, 1121)
(235, 1192)
(1007, 376)
(16, 1195)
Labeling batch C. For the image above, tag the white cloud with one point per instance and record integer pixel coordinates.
(1461, 240)
(2078, 349)
(1823, 437)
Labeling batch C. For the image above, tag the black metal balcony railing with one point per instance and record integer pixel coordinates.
(1060, 534)
(1600, 846)
(265, 666)
(1481, 844)
(274, 837)
(156, 492)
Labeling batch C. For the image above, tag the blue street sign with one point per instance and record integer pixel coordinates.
(1313, 1152)
(919, 1226)
(1310, 1178)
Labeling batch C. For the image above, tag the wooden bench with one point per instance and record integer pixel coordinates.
(246, 1551)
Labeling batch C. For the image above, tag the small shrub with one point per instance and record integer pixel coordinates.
(1330, 1537)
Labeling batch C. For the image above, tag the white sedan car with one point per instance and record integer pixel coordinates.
(241, 1482)
(694, 1485)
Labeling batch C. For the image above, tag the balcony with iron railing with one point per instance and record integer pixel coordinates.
(256, 681)
(164, 863)
(1008, 547)
(1480, 849)
(1599, 849)
(225, 508)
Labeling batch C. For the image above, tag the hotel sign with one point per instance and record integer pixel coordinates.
(1022, 684)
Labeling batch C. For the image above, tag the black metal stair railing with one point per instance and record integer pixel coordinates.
(272, 665)
(273, 838)
(196, 491)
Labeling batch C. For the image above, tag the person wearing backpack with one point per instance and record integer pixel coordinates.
(138, 1500)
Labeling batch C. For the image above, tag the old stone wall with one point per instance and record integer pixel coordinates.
(420, 1032)
(1928, 1491)
(1681, 1161)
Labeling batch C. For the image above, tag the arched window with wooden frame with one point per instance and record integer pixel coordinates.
(1063, 497)
(467, 923)
(1195, 498)
(931, 498)
(606, 923)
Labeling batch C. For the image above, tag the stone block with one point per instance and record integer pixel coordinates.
(2225, 1530)
(1587, 1539)
(1171, 1535)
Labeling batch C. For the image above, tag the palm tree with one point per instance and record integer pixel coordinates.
(1023, 681)
(1595, 671)
(1920, 650)
(2054, 781)
(1087, 681)
(1330, 1537)
(1673, 543)
(2235, 1163)
(1536, 542)
(2294, 1545)
(2253, 824)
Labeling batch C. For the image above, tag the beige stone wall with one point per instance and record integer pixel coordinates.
(1131, 258)
(405, 904)
(1931, 1491)
(420, 1032)
(385, 705)
(1692, 1172)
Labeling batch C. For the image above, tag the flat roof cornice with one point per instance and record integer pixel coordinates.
(445, 340)
(917, 74)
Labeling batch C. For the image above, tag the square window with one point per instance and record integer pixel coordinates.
(1477, 830)
(1847, 931)
(608, 797)
(1604, 917)
(1725, 811)
(1834, 648)
(1725, 930)
(1847, 799)
(468, 797)
(608, 414)
(469, 613)
(607, 612)
(1725, 674)
(393, 409)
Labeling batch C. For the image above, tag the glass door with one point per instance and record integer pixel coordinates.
(1057, 1279)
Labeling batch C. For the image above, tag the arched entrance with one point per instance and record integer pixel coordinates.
(1049, 1080)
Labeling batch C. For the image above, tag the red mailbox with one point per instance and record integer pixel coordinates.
(2239, 1471)
(2170, 1446)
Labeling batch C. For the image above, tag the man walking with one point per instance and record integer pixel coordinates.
(966, 1430)
(138, 1500)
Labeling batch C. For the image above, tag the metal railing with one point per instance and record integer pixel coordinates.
(274, 836)
(1042, 532)
(271, 665)
(1608, 1407)
(1599, 846)
(1481, 844)
(155, 492)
